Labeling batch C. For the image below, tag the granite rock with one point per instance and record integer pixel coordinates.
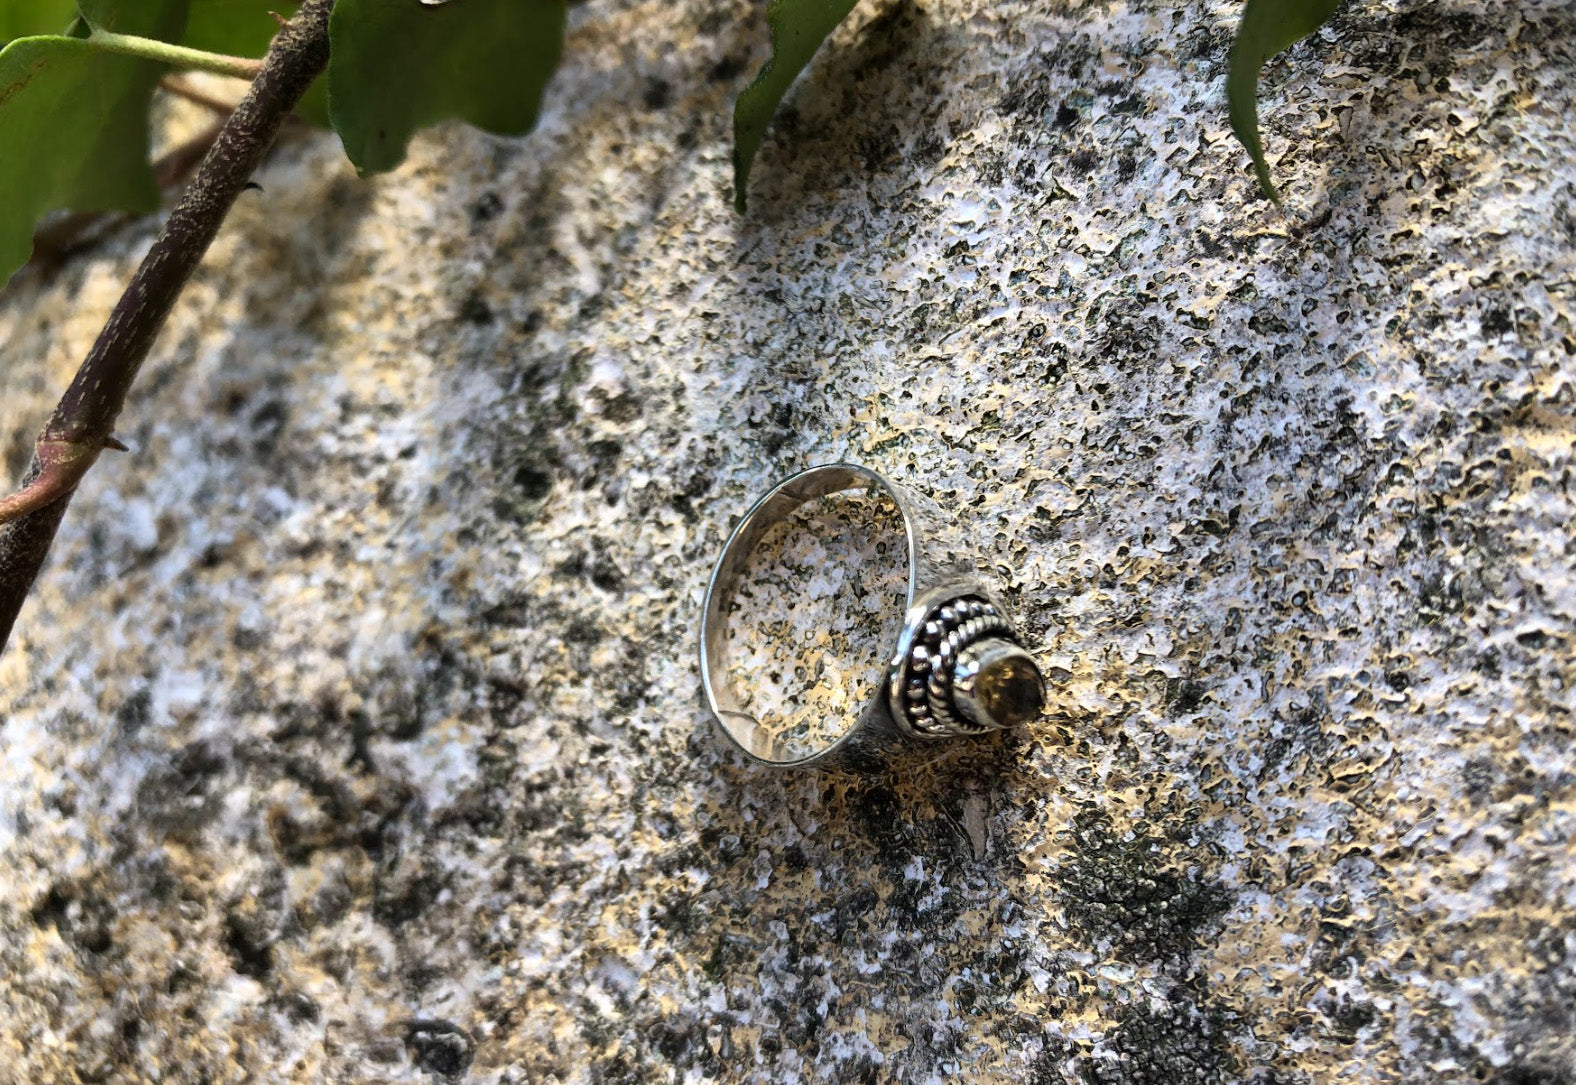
(354, 731)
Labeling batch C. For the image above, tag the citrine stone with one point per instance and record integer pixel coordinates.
(1010, 690)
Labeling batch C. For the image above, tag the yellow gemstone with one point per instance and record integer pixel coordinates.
(1010, 690)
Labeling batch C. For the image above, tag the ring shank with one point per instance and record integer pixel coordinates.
(874, 730)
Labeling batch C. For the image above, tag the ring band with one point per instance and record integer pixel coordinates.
(958, 668)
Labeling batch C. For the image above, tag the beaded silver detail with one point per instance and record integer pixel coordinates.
(928, 669)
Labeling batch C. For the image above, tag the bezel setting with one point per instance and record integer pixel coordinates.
(922, 688)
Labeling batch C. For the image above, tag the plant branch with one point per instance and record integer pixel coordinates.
(84, 421)
(174, 84)
(61, 237)
(61, 465)
(197, 60)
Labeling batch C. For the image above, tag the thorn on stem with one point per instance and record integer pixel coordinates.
(280, 19)
(54, 242)
(114, 442)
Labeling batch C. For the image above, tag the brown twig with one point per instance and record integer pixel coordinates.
(63, 236)
(174, 84)
(84, 421)
(176, 164)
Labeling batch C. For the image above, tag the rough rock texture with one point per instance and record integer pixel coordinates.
(354, 733)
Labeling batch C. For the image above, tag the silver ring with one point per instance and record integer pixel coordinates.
(958, 668)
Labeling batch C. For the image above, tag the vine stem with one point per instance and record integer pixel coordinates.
(84, 421)
(174, 84)
(60, 238)
(180, 56)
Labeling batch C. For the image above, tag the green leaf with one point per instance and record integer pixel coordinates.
(1268, 26)
(74, 123)
(238, 28)
(246, 28)
(73, 135)
(398, 65)
(161, 19)
(24, 18)
(798, 29)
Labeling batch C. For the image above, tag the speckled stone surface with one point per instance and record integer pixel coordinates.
(354, 733)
